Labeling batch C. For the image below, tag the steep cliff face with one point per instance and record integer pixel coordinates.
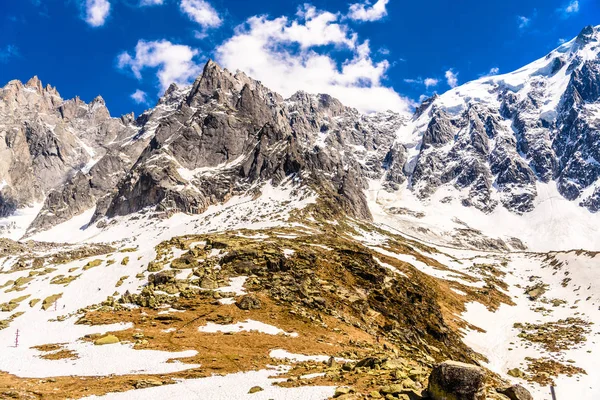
(496, 138)
(229, 134)
(50, 144)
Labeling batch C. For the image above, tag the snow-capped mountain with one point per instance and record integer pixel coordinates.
(495, 138)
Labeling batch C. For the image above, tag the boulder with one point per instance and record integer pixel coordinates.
(342, 391)
(249, 302)
(516, 392)
(108, 339)
(392, 389)
(453, 380)
(255, 389)
(162, 278)
(516, 373)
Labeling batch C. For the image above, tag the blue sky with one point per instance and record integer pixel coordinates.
(373, 55)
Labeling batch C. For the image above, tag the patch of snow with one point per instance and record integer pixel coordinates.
(228, 387)
(281, 354)
(236, 285)
(245, 326)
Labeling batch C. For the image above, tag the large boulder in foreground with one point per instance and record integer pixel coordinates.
(453, 380)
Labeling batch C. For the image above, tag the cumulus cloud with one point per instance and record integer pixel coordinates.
(201, 12)
(569, 9)
(292, 55)
(368, 12)
(451, 78)
(96, 12)
(573, 7)
(430, 82)
(173, 63)
(144, 3)
(139, 97)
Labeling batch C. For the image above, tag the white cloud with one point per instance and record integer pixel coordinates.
(289, 55)
(523, 21)
(8, 52)
(569, 9)
(316, 28)
(96, 12)
(200, 35)
(451, 78)
(493, 71)
(140, 97)
(573, 7)
(201, 12)
(366, 12)
(562, 41)
(144, 3)
(174, 63)
(430, 82)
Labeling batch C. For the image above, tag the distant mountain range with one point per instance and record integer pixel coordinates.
(490, 143)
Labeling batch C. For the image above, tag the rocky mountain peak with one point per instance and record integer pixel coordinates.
(35, 83)
(588, 34)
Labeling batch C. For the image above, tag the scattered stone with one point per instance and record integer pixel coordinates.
(162, 278)
(208, 283)
(155, 266)
(392, 389)
(536, 291)
(342, 390)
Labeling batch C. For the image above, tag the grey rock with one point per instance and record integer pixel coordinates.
(516, 392)
(452, 380)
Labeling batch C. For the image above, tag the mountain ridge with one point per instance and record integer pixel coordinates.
(493, 140)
